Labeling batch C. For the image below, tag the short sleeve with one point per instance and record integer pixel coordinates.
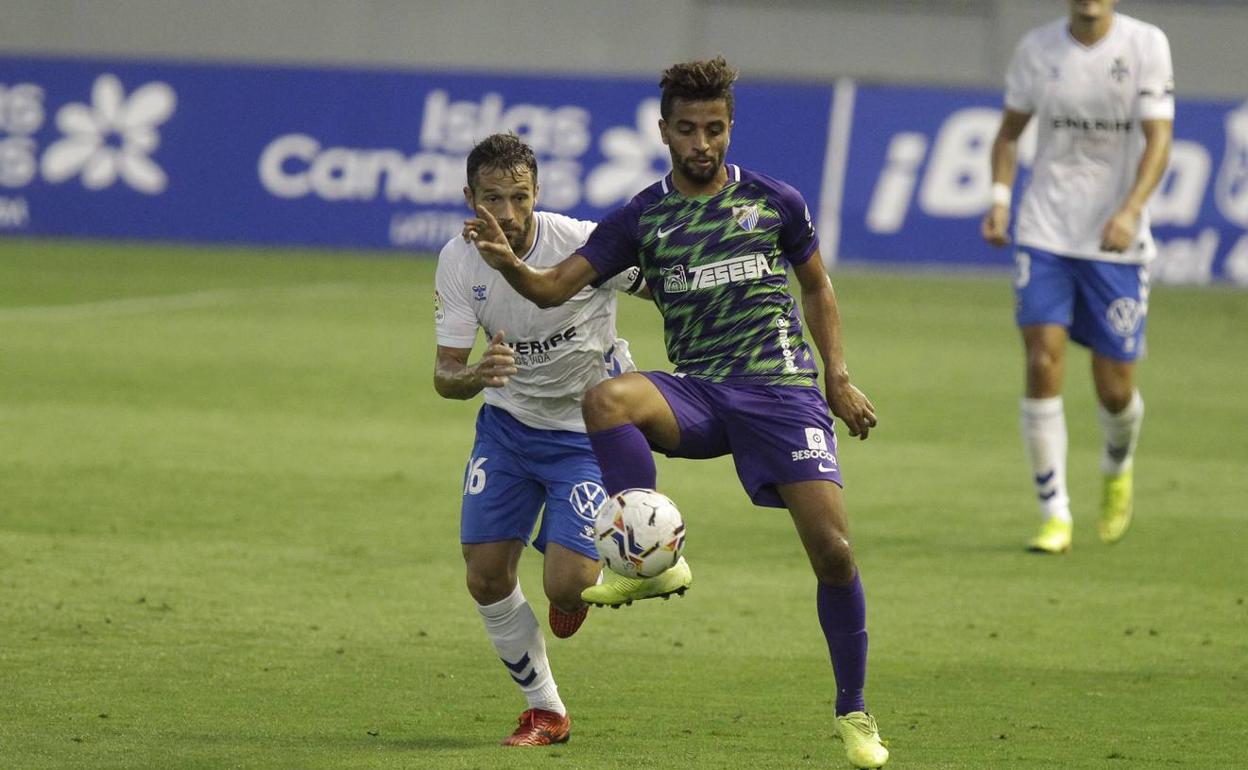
(1019, 81)
(1156, 97)
(797, 232)
(454, 320)
(612, 246)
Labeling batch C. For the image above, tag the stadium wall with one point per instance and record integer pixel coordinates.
(948, 42)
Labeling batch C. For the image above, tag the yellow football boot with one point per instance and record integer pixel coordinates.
(618, 590)
(1054, 537)
(1117, 502)
(862, 740)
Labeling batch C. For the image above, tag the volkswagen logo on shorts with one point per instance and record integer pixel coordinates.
(1124, 315)
(586, 498)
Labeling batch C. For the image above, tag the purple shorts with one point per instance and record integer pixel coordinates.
(776, 434)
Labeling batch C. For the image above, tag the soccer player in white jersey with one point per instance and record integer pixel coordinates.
(530, 451)
(1101, 87)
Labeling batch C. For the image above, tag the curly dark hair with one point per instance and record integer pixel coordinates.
(697, 81)
(505, 152)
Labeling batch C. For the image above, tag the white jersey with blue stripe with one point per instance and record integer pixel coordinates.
(561, 352)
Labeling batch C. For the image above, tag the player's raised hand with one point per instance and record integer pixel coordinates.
(491, 241)
(996, 226)
(1120, 230)
(852, 406)
(497, 363)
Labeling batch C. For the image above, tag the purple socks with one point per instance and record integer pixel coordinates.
(843, 616)
(624, 456)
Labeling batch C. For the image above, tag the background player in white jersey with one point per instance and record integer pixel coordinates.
(530, 451)
(1101, 87)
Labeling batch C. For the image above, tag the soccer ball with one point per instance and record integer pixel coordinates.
(639, 533)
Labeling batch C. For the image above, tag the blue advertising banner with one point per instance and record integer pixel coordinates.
(917, 183)
(374, 159)
(319, 157)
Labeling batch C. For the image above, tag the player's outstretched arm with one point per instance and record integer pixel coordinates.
(823, 323)
(544, 286)
(996, 223)
(1120, 230)
(453, 377)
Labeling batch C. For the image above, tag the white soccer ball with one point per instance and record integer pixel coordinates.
(639, 533)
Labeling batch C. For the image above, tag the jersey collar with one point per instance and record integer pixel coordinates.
(1113, 28)
(537, 237)
(734, 175)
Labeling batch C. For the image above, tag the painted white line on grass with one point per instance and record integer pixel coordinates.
(113, 308)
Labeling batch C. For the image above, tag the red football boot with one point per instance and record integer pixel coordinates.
(539, 727)
(563, 624)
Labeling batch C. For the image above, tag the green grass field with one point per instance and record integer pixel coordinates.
(229, 520)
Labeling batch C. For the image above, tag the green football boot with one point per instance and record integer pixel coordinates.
(862, 740)
(618, 590)
(1054, 537)
(1117, 502)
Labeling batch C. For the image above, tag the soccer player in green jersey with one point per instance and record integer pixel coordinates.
(714, 242)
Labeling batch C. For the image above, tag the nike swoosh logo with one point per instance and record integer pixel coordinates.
(664, 233)
(826, 470)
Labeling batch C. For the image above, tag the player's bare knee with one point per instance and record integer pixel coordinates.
(1116, 402)
(567, 595)
(604, 405)
(1041, 362)
(834, 564)
(488, 588)
(1115, 397)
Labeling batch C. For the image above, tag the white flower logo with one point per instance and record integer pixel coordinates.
(635, 159)
(112, 137)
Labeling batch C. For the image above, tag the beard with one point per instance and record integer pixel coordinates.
(700, 173)
(518, 237)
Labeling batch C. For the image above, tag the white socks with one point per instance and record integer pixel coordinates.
(1122, 431)
(1044, 434)
(513, 629)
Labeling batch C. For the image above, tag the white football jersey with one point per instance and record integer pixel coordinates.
(1088, 103)
(561, 352)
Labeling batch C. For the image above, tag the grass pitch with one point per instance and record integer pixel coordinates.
(229, 520)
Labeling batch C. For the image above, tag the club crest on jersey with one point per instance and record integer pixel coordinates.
(674, 280)
(746, 216)
(1118, 70)
(478, 292)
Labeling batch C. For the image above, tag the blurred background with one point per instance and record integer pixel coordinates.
(315, 123)
(915, 41)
